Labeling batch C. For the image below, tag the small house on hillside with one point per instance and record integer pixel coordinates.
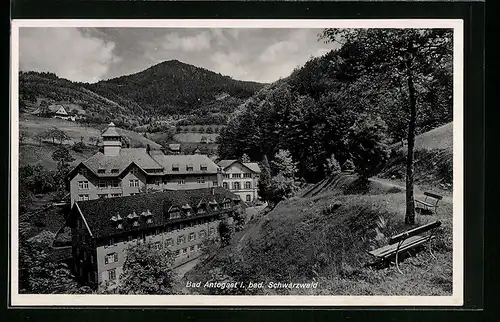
(174, 148)
(55, 111)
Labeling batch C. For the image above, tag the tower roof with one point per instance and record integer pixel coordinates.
(111, 131)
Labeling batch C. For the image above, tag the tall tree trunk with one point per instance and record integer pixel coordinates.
(410, 204)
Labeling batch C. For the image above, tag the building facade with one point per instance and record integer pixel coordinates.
(241, 178)
(118, 171)
(181, 221)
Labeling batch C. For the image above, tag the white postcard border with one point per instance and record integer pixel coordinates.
(456, 299)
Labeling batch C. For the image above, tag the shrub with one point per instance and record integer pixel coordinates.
(79, 147)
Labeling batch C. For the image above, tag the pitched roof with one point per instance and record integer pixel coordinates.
(197, 160)
(98, 213)
(110, 131)
(139, 156)
(224, 164)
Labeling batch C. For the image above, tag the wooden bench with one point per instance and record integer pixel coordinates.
(430, 201)
(406, 241)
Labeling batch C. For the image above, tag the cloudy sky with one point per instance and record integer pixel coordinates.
(93, 54)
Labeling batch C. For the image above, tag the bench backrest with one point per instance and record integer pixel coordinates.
(414, 231)
(432, 195)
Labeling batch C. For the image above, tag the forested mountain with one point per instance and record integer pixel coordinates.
(312, 112)
(171, 87)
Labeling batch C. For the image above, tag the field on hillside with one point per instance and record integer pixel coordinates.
(32, 125)
(440, 138)
(31, 153)
(194, 137)
(326, 238)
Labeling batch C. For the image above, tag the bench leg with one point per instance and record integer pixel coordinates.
(430, 244)
(397, 257)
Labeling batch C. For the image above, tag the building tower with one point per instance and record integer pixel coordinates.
(111, 141)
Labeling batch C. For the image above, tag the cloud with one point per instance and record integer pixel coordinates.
(233, 64)
(68, 52)
(197, 42)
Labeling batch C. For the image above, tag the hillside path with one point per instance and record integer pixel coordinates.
(418, 192)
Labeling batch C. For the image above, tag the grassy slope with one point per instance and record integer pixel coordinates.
(298, 241)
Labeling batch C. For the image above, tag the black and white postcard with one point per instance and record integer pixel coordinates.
(237, 163)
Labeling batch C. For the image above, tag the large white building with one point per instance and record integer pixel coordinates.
(241, 178)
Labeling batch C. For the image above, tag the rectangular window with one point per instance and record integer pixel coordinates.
(247, 175)
(83, 184)
(175, 168)
(169, 242)
(227, 175)
(191, 249)
(181, 239)
(236, 175)
(200, 210)
(112, 274)
(189, 167)
(215, 184)
(248, 185)
(224, 185)
(134, 171)
(226, 205)
(184, 251)
(102, 184)
(249, 198)
(111, 258)
(83, 197)
(83, 171)
(178, 253)
(134, 183)
(157, 245)
(211, 231)
(192, 236)
(175, 214)
(236, 186)
(115, 183)
(201, 179)
(203, 167)
(202, 233)
(181, 181)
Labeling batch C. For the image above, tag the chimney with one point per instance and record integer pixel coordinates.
(148, 149)
(212, 191)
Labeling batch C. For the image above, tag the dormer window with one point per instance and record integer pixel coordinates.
(174, 213)
(187, 209)
(214, 205)
(200, 210)
(203, 167)
(83, 171)
(114, 171)
(175, 168)
(226, 205)
(134, 171)
(149, 220)
(135, 224)
(189, 167)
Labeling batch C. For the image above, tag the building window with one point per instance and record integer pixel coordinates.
(248, 185)
(175, 168)
(111, 258)
(169, 242)
(157, 182)
(203, 167)
(211, 231)
(181, 239)
(192, 236)
(114, 170)
(226, 205)
(157, 245)
(191, 249)
(83, 184)
(215, 184)
(200, 210)
(202, 233)
(102, 184)
(249, 198)
(134, 171)
(227, 175)
(102, 195)
(247, 175)
(83, 171)
(101, 171)
(175, 214)
(184, 251)
(112, 274)
(201, 180)
(134, 183)
(236, 186)
(178, 253)
(189, 167)
(181, 181)
(236, 175)
(83, 197)
(224, 185)
(116, 195)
